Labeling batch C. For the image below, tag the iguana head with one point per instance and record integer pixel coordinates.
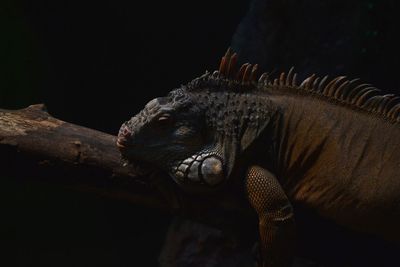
(196, 132)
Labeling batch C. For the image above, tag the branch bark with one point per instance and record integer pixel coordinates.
(34, 145)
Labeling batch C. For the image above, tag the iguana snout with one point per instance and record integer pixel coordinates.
(123, 138)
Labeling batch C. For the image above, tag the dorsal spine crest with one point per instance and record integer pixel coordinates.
(338, 90)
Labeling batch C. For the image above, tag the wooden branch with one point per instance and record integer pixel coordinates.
(35, 145)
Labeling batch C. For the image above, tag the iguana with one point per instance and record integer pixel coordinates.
(332, 146)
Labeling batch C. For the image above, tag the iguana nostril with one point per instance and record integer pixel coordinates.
(212, 171)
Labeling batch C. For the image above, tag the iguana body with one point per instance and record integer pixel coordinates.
(333, 146)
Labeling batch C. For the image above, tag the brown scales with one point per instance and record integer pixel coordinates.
(339, 89)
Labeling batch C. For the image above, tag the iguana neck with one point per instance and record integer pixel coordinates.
(302, 130)
(235, 119)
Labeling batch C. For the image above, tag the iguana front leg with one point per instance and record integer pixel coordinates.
(276, 222)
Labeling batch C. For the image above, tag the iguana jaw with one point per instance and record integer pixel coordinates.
(205, 168)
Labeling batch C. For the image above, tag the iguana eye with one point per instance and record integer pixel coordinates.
(164, 119)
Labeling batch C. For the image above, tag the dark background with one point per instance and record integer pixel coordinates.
(97, 63)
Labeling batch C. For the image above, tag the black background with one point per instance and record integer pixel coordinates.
(97, 63)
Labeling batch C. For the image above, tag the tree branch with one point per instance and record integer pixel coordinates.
(34, 145)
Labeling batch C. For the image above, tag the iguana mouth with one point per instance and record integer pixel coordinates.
(124, 136)
(121, 144)
(203, 168)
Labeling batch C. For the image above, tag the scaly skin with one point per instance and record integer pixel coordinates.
(319, 144)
